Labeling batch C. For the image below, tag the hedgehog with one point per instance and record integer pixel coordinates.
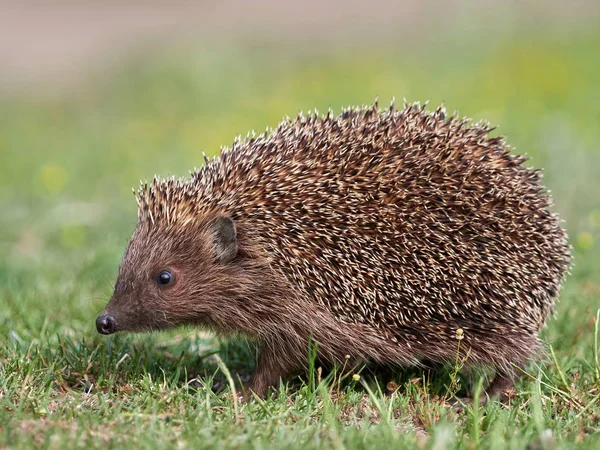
(379, 235)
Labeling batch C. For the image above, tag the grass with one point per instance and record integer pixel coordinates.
(67, 166)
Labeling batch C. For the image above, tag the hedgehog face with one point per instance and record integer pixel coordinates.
(171, 276)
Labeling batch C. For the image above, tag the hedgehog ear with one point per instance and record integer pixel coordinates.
(225, 239)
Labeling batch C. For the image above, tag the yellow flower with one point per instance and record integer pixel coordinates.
(585, 240)
(53, 177)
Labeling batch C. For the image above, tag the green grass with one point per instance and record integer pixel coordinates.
(67, 167)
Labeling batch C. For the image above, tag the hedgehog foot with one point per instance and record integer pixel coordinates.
(270, 369)
(501, 388)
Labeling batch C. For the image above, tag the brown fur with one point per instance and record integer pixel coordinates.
(378, 234)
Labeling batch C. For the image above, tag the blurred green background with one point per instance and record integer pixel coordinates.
(95, 98)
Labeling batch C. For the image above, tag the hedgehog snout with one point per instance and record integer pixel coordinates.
(106, 324)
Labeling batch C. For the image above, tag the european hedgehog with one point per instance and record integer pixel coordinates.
(378, 234)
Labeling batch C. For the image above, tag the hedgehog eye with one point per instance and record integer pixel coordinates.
(165, 278)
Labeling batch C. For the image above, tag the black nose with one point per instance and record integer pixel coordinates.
(106, 324)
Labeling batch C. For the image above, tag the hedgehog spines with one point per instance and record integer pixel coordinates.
(402, 220)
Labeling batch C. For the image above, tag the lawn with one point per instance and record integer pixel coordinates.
(67, 165)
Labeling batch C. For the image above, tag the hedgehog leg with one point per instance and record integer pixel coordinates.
(275, 361)
(503, 382)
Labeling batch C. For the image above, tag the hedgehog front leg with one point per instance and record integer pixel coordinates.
(276, 360)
